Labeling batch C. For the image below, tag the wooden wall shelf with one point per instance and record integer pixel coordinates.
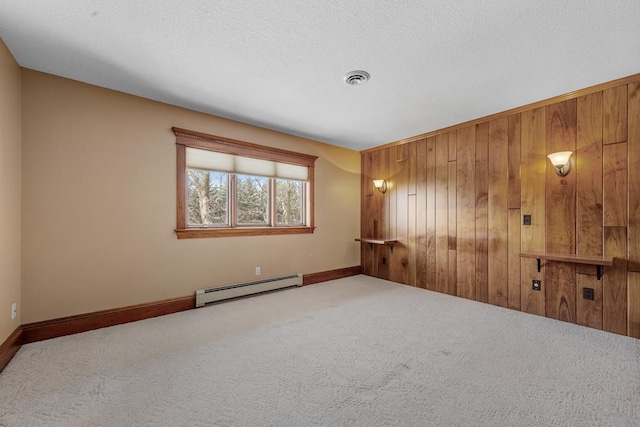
(372, 242)
(596, 260)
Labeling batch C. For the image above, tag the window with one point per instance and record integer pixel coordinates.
(252, 200)
(227, 187)
(289, 202)
(208, 197)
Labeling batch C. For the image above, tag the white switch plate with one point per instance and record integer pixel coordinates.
(257, 271)
(14, 310)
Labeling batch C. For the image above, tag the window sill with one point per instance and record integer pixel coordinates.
(197, 233)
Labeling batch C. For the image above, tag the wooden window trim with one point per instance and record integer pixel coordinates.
(197, 232)
(240, 148)
(186, 138)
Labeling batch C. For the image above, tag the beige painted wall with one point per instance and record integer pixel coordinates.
(99, 204)
(9, 191)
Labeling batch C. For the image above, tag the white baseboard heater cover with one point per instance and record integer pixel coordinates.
(207, 296)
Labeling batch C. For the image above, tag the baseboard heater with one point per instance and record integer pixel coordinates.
(208, 296)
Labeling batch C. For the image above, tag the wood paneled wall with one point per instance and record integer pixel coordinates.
(456, 199)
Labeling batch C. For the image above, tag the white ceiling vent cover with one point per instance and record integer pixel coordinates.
(355, 78)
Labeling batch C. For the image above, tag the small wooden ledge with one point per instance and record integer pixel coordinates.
(596, 260)
(372, 242)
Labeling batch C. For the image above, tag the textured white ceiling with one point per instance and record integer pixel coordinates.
(280, 63)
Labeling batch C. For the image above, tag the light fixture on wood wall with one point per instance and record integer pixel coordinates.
(561, 161)
(380, 184)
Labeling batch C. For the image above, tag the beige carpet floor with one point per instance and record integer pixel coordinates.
(352, 352)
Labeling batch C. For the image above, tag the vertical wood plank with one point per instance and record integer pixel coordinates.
(453, 281)
(560, 278)
(466, 212)
(442, 217)
(514, 259)
(560, 298)
(614, 281)
(412, 166)
(392, 195)
(633, 320)
(614, 119)
(366, 160)
(384, 173)
(589, 178)
(482, 212)
(431, 214)
(381, 256)
(514, 161)
(367, 218)
(452, 145)
(588, 169)
(399, 268)
(382, 251)
(560, 201)
(412, 158)
(533, 179)
(452, 215)
(402, 154)
(375, 212)
(634, 177)
(411, 239)
(615, 184)
(452, 232)
(589, 312)
(498, 216)
(421, 214)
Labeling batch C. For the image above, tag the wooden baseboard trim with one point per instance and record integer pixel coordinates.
(324, 276)
(47, 329)
(54, 328)
(10, 347)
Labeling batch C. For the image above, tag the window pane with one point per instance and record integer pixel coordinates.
(289, 202)
(252, 200)
(208, 197)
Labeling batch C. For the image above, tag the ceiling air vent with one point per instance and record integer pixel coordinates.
(355, 78)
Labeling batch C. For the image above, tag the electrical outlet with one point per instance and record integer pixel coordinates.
(588, 293)
(14, 310)
(526, 219)
(257, 271)
(536, 285)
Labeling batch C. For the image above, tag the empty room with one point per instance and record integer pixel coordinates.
(284, 213)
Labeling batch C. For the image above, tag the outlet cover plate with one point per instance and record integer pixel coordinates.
(588, 293)
(526, 219)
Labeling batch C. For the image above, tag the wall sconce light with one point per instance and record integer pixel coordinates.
(380, 184)
(562, 162)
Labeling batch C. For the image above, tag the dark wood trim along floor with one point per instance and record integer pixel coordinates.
(325, 276)
(10, 347)
(38, 331)
(53, 328)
